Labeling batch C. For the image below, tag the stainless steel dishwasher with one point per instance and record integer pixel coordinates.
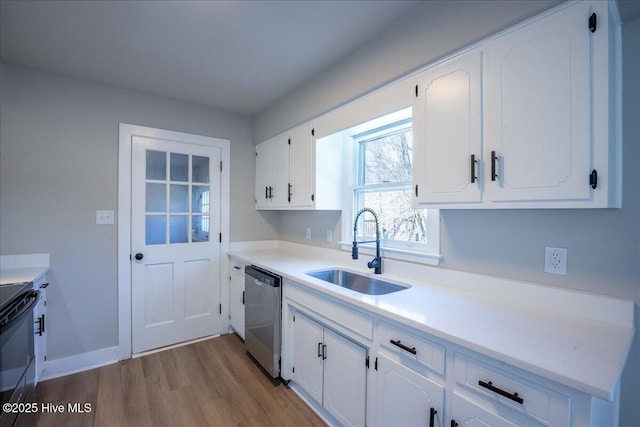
(263, 320)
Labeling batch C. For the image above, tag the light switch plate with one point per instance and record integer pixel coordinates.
(104, 217)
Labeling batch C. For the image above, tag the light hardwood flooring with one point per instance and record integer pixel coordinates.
(210, 383)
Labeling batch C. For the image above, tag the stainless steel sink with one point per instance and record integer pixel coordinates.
(357, 282)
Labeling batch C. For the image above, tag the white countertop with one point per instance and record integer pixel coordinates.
(20, 275)
(585, 354)
(22, 268)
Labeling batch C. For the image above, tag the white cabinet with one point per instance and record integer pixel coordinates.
(272, 173)
(538, 109)
(406, 398)
(447, 132)
(466, 413)
(538, 116)
(294, 171)
(515, 397)
(354, 366)
(236, 297)
(301, 147)
(331, 369)
(40, 327)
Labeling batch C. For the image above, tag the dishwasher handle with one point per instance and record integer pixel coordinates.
(262, 277)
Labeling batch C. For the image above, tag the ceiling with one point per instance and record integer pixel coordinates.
(239, 56)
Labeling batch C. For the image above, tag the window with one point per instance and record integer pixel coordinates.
(380, 179)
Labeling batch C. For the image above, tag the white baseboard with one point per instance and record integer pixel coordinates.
(80, 362)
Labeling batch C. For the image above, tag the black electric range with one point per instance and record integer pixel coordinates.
(8, 293)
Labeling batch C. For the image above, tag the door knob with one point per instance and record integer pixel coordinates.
(139, 256)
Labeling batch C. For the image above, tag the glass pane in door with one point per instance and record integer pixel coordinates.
(156, 229)
(156, 165)
(200, 228)
(179, 198)
(200, 167)
(178, 225)
(156, 198)
(200, 198)
(179, 167)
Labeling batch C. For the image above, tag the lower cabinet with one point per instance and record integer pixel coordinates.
(406, 398)
(331, 368)
(236, 297)
(361, 369)
(39, 319)
(465, 413)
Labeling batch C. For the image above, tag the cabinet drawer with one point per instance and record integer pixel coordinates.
(237, 268)
(413, 346)
(540, 403)
(332, 311)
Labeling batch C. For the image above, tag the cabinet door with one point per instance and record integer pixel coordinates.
(447, 132)
(236, 299)
(538, 114)
(468, 414)
(40, 339)
(263, 174)
(307, 355)
(279, 162)
(345, 379)
(272, 173)
(404, 397)
(301, 166)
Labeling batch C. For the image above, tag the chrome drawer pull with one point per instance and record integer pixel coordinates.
(501, 392)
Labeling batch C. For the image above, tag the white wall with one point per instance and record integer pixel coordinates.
(603, 245)
(58, 164)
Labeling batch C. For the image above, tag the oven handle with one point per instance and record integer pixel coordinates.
(33, 297)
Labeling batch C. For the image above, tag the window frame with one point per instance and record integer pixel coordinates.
(424, 253)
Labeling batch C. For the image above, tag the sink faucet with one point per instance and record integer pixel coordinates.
(375, 263)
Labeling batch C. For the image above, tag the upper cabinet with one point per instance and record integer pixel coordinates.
(272, 173)
(447, 131)
(528, 119)
(294, 171)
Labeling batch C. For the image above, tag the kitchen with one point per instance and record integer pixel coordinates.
(60, 159)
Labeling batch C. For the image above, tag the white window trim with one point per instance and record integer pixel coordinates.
(429, 253)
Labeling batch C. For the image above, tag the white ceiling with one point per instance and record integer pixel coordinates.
(239, 56)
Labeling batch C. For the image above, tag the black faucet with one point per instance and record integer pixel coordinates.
(375, 263)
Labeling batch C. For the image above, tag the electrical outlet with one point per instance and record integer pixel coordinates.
(555, 260)
(329, 235)
(308, 233)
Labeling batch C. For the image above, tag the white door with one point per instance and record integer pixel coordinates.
(405, 398)
(447, 132)
(301, 167)
(236, 298)
(468, 414)
(538, 115)
(263, 175)
(279, 159)
(345, 379)
(175, 232)
(307, 355)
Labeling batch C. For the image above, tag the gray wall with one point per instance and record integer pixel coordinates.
(434, 30)
(603, 245)
(59, 163)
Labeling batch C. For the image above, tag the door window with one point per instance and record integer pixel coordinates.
(176, 209)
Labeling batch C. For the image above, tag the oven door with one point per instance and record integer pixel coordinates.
(17, 367)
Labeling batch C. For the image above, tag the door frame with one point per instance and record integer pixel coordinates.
(126, 132)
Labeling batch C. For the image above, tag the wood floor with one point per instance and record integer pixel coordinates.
(210, 383)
